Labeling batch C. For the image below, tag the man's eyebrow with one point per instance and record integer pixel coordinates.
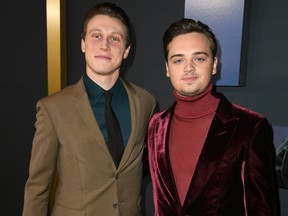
(99, 30)
(176, 55)
(195, 53)
(94, 30)
(201, 53)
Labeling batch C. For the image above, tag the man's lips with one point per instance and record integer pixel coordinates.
(189, 78)
(103, 57)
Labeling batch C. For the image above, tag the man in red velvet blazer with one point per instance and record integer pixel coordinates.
(207, 156)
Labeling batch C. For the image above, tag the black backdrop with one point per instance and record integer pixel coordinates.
(24, 73)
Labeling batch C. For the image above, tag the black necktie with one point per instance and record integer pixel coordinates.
(114, 132)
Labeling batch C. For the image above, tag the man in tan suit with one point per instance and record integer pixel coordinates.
(71, 134)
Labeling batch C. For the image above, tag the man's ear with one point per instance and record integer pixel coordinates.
(126, 52)
(83, 46)
(215, 63)
(167, 70)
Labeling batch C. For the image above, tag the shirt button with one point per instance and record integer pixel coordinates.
(115, 205)
(117, 176)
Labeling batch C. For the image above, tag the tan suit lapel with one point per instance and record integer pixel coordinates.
(83, 105)
(134, 112)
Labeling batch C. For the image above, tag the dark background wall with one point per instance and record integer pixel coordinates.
(24, 69)
(23, 81)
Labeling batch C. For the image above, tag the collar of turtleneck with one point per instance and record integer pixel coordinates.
(196, 106)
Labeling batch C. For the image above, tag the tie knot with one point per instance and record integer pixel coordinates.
(108, 95)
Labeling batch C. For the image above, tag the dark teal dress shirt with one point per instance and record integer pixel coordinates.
(119, 103)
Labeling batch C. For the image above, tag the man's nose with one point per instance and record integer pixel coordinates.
(189, 66)
(105, 44)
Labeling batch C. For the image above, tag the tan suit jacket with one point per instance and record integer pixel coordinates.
(68, 139)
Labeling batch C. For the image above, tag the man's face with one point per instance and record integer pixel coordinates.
(104, 46)
(190, 64)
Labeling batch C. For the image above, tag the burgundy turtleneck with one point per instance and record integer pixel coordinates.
(188, 131)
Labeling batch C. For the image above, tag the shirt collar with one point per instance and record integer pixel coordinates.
(94, 91)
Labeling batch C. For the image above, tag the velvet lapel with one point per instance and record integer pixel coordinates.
(218, 139)
(163, 158)
(82, 104)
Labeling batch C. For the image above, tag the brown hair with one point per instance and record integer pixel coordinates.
(185, 26)
(110, 10)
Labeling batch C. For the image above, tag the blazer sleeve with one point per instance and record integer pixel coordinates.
(42, 165)
(258, 172)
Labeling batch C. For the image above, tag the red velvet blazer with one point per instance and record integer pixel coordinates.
(235, 171)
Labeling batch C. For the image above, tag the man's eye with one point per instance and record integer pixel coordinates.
(115, 39)
(177, 61)
(97, 36)
(200, 59)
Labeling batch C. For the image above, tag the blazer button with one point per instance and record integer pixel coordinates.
(115, 205)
